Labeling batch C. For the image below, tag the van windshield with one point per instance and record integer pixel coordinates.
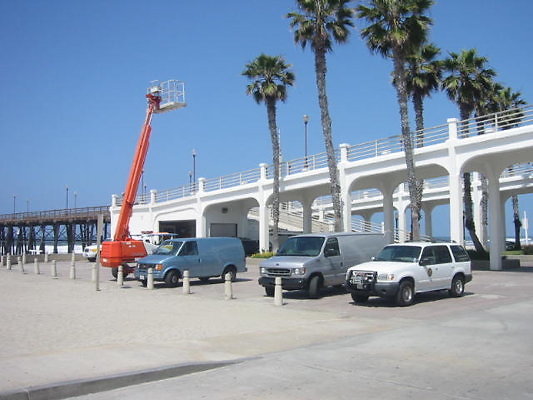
(168, 247)
(399, 253)
(308, 246)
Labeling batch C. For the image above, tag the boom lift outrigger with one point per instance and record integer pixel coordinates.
(122, 250)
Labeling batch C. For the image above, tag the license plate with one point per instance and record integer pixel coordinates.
(357, 280)
(141, 277)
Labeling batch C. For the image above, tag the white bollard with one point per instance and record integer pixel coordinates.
(120, 276)
(186, 282)
(53, 269)
(8, 262)
(20, 263)
(73, 269)
(228, 289)
(36, 266)
(2, 260)
(73, 256)
(150, 279)
(23, 258)
(93, 273)
(45, 258)
(278, 293)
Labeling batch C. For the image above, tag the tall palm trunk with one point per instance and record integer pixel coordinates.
(517, 223)
(415, 193)
(320, 70)
(271, 112)
(418, 105)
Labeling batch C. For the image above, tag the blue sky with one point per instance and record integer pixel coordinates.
(74, 75)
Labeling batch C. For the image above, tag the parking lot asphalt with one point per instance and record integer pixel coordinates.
(62, 338)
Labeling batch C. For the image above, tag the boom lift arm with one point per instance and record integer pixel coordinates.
(123, 249)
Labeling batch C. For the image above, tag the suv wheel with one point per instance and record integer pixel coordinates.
(458, 287)
(406, 294)
(269, 291)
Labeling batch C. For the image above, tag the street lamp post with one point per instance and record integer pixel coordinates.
(66, 187)
(194, 167)
(306, 121)
(75, 199)
(14, 204)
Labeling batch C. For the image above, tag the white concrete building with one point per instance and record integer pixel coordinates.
(220, 206)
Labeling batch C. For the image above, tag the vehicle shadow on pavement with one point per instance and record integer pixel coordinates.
(421, 298)
(324, 292)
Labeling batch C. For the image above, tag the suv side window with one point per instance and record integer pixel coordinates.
(332, 248)
(459, 253)
(189, 249)
(443, 254)
(436, 255)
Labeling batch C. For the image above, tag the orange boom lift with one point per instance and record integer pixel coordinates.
(162, 97)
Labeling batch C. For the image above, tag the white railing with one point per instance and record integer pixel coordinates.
(495, 122)
(486, 124)
(232, 180)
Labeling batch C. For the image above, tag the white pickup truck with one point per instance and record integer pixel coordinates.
(402, 270)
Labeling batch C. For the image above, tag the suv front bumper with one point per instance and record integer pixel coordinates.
(381, 289)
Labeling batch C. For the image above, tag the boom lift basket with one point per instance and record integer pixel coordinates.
(172, 93)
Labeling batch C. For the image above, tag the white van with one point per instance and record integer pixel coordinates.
(317, 260)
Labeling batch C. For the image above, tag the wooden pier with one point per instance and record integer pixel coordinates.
(29, 232)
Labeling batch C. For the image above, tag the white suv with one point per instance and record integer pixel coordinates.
(402, 270)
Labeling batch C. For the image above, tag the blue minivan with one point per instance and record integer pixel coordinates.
(204, 258)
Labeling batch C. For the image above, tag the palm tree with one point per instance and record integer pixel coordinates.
(467, 82)
(270, 78)
(320, 23)
(423, 77)
(397, 28)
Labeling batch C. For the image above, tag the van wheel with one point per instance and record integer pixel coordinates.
(172, 278)
(269, 291)
(406, 294)
(314, 287)
(114, 272)
(232, 272)
(359, 298)
(144, 282)
(458, 287)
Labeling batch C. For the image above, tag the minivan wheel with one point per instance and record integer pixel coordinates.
(406, 294)
(314, 287)
(172, 278)
(458, 287)
(269, 291)
(114, 272)
(232, 272)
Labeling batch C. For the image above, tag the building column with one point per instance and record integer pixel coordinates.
(307, 214)
(496, 225)
(455, 187)
(428, 222)
(264, 242)
(388, 214)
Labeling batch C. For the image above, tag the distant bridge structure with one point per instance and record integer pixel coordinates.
(31, 232)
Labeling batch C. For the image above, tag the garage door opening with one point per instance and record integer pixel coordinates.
(181, 228)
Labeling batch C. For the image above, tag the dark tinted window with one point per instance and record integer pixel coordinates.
(301, 246)
(399, 253)
(436, 255)
(189, 249)
(459, 253)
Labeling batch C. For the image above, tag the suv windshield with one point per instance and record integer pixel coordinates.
(301, 246)
(168, 247)
(399, 253)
